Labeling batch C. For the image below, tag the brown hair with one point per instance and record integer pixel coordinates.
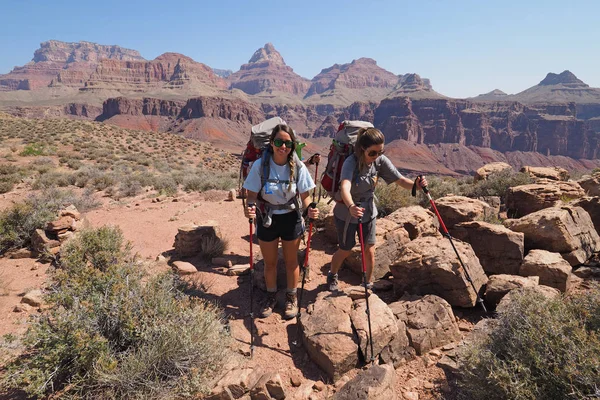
(367, 137)
(291, 161)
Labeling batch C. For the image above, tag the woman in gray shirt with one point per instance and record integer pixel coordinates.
(357, 188)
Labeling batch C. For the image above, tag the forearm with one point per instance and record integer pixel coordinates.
(252, 196)
(405, 183)
(345, 193)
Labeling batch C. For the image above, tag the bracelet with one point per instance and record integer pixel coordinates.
(350, 206)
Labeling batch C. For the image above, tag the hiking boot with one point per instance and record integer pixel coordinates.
(267, 306)
(291, 306)
(332, 282)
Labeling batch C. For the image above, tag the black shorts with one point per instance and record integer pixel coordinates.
(287, 226)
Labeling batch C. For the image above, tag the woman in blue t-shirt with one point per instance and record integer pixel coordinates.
(278, 197)
(358, 179)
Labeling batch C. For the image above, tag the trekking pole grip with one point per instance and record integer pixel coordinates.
(251, 220)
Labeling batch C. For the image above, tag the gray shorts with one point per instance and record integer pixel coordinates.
(368, 229)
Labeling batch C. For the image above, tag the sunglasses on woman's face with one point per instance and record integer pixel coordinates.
(281, 142)
(375, 153)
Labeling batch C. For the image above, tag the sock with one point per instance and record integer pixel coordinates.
(294, 290)
(272, 290)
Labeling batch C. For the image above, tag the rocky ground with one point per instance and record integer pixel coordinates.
(151, 226)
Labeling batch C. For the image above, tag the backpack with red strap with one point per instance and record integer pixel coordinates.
(341, 147)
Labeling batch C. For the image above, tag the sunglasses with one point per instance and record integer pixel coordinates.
(374, 153)
(280, 142)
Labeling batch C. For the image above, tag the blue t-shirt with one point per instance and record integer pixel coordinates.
(278, 193)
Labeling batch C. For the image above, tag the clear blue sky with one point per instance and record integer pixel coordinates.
(464, 47)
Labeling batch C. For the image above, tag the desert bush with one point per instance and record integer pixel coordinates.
(53, 179)
(537, 349)
(443, 186)
(497, 184)
(98, 248)
(165, 184)
(392, 197)
(129, 186)
(113, 333)
(207, 180)
(35, 149)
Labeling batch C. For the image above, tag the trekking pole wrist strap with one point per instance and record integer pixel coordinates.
(414, 188)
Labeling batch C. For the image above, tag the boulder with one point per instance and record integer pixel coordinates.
(457, 209)
(383, 325)
(545, 291)
(592, 206)
(500, 250)
(429, 320)
(526, 199)
(399, 350)
(376, 383)
(567, 230)
(488, 169)
(551, 173)
(328, 335)
(393, 231)
(499, 285)
(184, 268)
(429, 265)
(553, 270)
(591, 184)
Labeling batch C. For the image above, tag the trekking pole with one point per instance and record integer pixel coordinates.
(447, 234)
(305, 265)
(251, 223)
(364, 272)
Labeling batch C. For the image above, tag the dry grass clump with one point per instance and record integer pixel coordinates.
(113, 333)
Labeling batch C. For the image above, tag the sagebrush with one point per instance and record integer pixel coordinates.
(112, 332)
(538, 348)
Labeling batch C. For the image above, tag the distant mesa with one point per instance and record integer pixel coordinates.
(266, 73)
(359, 74)
(566, 78)
(559, 88)
(223, 73)
(494, 95)
(412, 85)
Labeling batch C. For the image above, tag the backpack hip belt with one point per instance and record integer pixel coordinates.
(265, 209)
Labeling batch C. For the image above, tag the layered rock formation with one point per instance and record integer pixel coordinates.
(170, 70)
(55, 57)
(358, 75)
(267, 72)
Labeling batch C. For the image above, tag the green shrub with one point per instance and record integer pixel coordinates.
(114, 334)
(98, 248)
(537, 349)
(36, 149)
(392, 197)
(166, 185)
(443, 186)
(53, 179)
(497, 184)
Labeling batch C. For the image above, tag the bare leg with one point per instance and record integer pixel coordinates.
(338, 258)
(369, 260)
(290, 255)
(269, 253)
